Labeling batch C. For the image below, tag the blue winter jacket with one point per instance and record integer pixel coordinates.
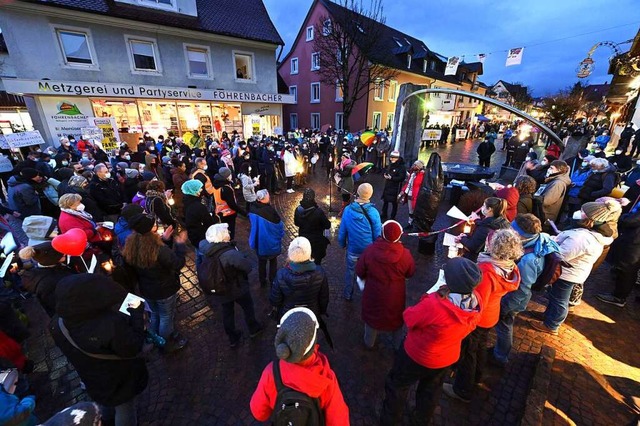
(12, 409)
(356, 231)
(578, 178)
(122, 231)
(530, 266)
(266, 236)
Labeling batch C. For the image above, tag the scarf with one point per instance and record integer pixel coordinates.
(159, 194)
(466, 302)
(503, 267)
(83, 215)
(307, 266)
(344, 163)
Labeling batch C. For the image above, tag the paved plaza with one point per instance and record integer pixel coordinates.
(595, 378)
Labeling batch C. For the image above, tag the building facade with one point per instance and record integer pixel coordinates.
(151, 66)
(319, 105)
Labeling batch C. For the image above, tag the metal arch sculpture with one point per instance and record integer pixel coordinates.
(547, 131)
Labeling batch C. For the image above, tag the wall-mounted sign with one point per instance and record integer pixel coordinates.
(66, 116)
(102, 90)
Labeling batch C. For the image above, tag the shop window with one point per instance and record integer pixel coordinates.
(76, 47)
(124, 112)
(315, 93)
(143, 55)
(294, 66)
(315, 61)
(315, 120)
(377, 120)
(390, 119)
(293, 121)
(198, 61)
(244, 66)
(393, 91)
(378, 91)
(309, 33)
(293, 91)
(339, 121)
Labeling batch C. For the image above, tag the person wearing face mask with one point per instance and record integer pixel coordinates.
(202, 173)
(106, 191)
(73, 215)
(394, 174)
(492, 217)
(249, 185)
(575, 163)
(625, 137)
(556, 183)
(66, 147)
(44, 166)
(601, 182)
(597, 152)
(178, 177)
(224, 196)
(580, 247)
(267, 162)
(539, 173)
(621, 161)
(80, 186)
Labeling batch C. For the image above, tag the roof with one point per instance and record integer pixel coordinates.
(513, 89)
(393, 46)
(595, 92)
(246, 19)
(473, 67)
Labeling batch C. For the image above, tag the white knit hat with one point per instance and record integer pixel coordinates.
(299, 250)
(217, 233)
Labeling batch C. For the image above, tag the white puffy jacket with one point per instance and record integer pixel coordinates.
(580, 248)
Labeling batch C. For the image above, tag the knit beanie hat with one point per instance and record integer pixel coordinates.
(191, 187)
(262, 194)
(419, 164)
(46, 255)
(602, 211)
(296, 335)
(462, 275)
(80, 414)
(122, 165)
(142, 223)
(130, 210)
(299, 250)
(217, 233)
(131, 173)
(365, 191)
(28, 173)
(391, 231)
(308, 198)
(224, 172)
(395, 154)
(38, 228)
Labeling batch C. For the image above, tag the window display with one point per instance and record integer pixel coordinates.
(125, 113)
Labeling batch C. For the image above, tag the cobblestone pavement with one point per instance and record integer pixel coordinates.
(595, 376)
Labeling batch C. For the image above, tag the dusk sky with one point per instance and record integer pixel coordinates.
(459, 27)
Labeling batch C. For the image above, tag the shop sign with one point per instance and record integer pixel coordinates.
(260, 109)
(22, 139)
(66, 116)
(107, 125)
(101, 90)
(5, 164)
(431, 134)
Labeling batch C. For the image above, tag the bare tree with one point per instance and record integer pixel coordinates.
(349, 52)
(563, 105)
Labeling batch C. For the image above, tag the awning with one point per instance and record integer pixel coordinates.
(482, 117)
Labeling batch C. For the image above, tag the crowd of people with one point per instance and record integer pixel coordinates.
(145, 210)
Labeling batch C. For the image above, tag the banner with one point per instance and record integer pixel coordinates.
(92, 133)
(514, 56)
(110, 136)
(482, 57)
(452, 65)
(19, 140)
(461, 133)
(431, 134)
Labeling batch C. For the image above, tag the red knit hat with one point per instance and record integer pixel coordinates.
(391, 231)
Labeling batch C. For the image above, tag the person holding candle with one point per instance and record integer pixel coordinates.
(492, 218)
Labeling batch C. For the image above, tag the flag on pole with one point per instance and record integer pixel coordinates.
(514, 56)
(452, 65)
(482, 57)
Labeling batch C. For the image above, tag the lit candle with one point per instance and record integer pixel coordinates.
(171, 202)
(467, 228)
(107, 266)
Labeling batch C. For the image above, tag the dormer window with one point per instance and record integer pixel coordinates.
(160, 4)
(408, 61)
(433, 65)
(424, 65)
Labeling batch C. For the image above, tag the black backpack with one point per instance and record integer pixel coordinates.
(211, 278)
(294, 408)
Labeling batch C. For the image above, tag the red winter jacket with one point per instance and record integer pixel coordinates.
(415, 190)
(312, 376)
(384, 266)
(12, 351)
(436, 328)
(512, 196)
(493, 286)
(68, 221)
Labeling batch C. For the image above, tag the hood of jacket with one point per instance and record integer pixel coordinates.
(187, 200)
(84, 296)
(17, 180)
(311, 376)
(306, 213)
(560, 177)
(265, 211)
(210, 249)
(543, 245)
(387, 252)
(356, 211)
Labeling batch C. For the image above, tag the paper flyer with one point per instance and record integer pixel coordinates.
(455, 213)
(131, 298)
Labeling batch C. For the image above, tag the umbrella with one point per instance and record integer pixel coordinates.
(367, 138)
(361, 168)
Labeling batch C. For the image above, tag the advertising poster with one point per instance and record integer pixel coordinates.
(65, 116)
